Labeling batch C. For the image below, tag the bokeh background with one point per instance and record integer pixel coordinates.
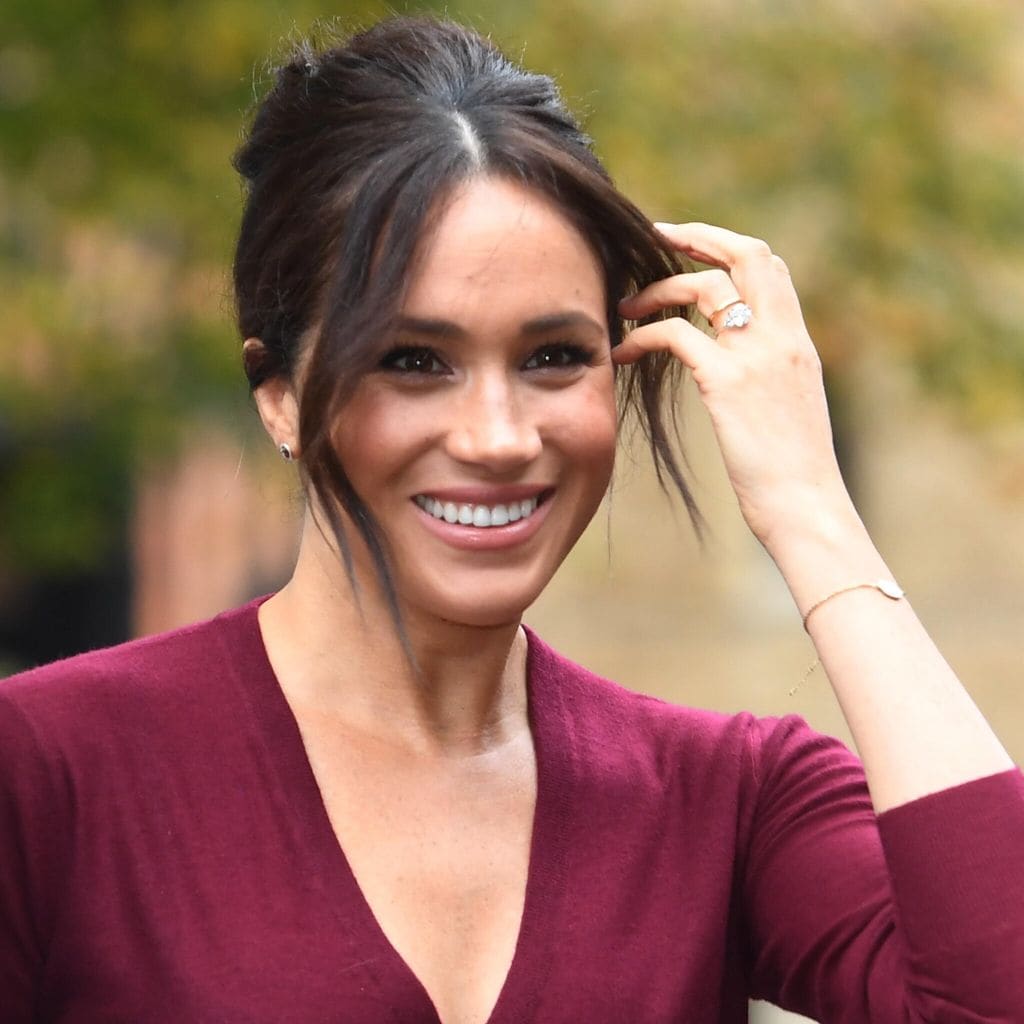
(876, 144)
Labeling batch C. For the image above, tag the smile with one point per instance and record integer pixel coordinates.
(479, 516)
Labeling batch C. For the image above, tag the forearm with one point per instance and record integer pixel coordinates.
(915, 726)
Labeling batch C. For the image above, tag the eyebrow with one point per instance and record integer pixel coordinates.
(446, 329)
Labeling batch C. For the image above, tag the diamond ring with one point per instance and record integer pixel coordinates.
(737, 314)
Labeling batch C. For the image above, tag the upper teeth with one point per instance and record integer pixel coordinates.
(477, 515)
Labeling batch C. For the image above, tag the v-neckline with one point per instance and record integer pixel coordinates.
(397, 984)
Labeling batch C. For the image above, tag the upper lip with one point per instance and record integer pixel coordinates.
(482, 495)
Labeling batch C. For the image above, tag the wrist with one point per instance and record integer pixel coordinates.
(887, 587)
(823, 549)
(812, 520)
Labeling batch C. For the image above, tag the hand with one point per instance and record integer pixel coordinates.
(761, 383)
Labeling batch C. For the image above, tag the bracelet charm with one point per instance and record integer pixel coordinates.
(890, 588)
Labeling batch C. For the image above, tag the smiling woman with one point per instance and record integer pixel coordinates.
(374, 795)
(495, 386)
(335, 221)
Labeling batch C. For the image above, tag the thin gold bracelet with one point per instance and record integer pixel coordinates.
(890, 588)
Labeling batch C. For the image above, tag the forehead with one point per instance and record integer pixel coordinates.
(499, 251)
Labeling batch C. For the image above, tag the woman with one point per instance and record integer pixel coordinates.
(431, 275)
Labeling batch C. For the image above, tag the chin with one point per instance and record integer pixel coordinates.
(483, 619)
(492, 609)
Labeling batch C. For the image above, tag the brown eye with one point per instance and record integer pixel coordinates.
(558, 357)
(413, 360)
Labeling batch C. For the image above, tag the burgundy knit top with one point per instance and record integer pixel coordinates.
(165, 856)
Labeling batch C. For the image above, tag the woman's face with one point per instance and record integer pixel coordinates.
(484, 442)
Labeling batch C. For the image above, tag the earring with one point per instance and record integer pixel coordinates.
(286, 452)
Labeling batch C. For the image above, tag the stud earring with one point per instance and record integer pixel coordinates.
(286, 452)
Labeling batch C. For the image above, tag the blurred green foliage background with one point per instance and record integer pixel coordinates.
(877, 145)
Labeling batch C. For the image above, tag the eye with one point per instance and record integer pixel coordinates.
(560, 356)
(413, 359)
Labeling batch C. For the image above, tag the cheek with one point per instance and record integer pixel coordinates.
(372, 436)
(589, 430)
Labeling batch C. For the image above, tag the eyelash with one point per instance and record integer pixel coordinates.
(392, 360)
(421, 360)
(571, 356)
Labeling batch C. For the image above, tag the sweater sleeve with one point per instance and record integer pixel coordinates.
(32, 809)
(916, 915)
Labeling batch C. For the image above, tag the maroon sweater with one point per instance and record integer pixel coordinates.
(165, 857)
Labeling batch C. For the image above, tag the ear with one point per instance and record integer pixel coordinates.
(278, 405)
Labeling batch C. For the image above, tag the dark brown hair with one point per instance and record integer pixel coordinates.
(349, 159)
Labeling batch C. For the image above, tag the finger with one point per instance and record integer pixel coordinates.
(709, 290)
(761, 278)
(690, 346)
(718, 246)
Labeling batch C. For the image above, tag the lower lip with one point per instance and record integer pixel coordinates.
(486, 538)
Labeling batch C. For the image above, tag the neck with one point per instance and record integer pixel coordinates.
(338, 656)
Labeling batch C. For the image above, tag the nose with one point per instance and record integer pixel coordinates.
(493, 426)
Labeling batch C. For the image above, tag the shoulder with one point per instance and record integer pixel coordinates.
(663, 770)
(628, 728)
(152, 672)
(595, 702)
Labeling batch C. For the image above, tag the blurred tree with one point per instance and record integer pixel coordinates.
(877, 145)
(117, 206)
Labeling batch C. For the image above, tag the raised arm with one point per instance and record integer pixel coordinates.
(916, 728)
